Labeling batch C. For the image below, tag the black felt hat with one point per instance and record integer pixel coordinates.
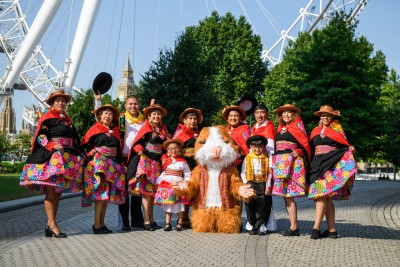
(102, 83)
(248, 103)
(256, 138)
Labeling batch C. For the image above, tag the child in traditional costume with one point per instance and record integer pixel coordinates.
(255, 172)
(175, 169)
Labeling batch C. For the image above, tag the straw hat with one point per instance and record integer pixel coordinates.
(57, 93)
(169, 141)
(152, 107)
(192, 110)
(287, 107)
(227, 109)
(108, 106)
(327, 109)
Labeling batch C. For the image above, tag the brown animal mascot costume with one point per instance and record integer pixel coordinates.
(215, 186)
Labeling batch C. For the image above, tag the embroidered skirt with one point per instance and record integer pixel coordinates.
(336, 182)
(104, 179)
(63, 171)
(146, 176)
(294, 185)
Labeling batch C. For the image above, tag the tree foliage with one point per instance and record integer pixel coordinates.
(5, 145)
(211, 65)
(333, 67)
(390, 102)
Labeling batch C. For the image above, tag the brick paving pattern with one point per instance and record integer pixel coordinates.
(368, 226)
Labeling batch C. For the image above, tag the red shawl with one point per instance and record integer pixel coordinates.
(334, 132)
(296, 128)
(99, 128)
(166, 161)
(184, 133)
(267, 130)
(240, 134)
(51, 114)
(146, 128)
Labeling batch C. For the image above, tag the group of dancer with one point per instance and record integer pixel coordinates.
(131, 160)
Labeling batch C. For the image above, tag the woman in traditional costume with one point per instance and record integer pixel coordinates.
(144, 165)
(188, 131)
(332, 169)
(104, 172)
(238, 130)
(55, 163)
(292, 153)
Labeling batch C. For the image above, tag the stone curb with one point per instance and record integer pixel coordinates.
(30, 201)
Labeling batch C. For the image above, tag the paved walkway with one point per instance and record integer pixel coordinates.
(368, 225)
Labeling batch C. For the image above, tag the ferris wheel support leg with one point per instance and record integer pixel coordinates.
(86, 21)
(39, 26)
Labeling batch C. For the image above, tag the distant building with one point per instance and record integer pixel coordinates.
(7, 117)
(127, 85)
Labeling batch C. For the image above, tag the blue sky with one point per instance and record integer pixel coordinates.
(158, 22)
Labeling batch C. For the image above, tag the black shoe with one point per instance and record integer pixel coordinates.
(48, 232)
(148, 227)
(178, 227)
(253, 231)
(186, 224)
(316, 234)
(126, 228)
(290, 232)
(99, 231)
(167, 227)
(262, 233)
(108, 231)
(326, 233)
(155, 225)
(137, 224)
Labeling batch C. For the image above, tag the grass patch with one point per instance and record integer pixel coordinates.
(10, 189)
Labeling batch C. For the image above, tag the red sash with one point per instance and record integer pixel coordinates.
(296, 128)
(184, 133)
(51, 114)
(267, 130)
(166, 161)
(99, 128)
(334, 132)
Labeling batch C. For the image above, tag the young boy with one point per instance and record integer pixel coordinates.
(255, 170)
(174, 169)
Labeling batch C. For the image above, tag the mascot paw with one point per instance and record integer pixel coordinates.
(246, 191)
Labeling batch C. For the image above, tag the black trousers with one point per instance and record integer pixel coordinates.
(258, 209)
(135, 208)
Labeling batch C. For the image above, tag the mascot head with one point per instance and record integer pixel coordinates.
(214, 148)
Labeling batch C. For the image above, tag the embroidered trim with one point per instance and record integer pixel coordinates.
(63, 141)
(324, 149)
(283, 145)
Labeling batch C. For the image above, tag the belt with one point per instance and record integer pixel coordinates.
(283, 145)
(174, 172)
(63, 141)
(323, 149)
(155, 148)
(107, 151)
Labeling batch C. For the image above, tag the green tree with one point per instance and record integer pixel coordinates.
(177, 81)
(211, 65)
(390, 101)
(334, 67)
(232, 55)
(5, 145)
(22, 145)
